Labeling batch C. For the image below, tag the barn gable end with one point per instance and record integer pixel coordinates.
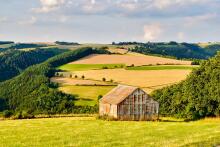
(128, 103)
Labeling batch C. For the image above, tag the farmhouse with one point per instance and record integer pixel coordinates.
(128, 103)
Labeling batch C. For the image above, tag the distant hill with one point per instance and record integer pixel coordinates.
(196, 97)
(14, 62)
(66, 43)
(6, 42)
(177, 50)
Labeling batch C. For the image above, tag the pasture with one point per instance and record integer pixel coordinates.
(78, 67)
(87, 131)
(88, 95)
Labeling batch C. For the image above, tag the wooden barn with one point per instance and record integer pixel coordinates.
(128, 103)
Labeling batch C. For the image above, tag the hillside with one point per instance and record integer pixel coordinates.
(14, 62)
(31, 92)
(177, 50)
(94, 75)
(196, 97)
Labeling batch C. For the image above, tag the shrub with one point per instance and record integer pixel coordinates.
(7, 113)
(83, 77)
(99, 97)
(76, 76)
(103, 79)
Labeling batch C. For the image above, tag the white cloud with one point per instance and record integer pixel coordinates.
(3, 19)
(163, 4)
(31, 21)
(48, 6)
(152, 31)
(181, 36)
(194, 20)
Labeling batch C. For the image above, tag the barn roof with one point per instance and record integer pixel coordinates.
(118, 94)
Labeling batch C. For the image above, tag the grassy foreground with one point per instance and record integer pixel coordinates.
(86, 131)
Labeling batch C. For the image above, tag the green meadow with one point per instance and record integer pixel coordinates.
(88, 132)
(87, 95)
(81, 67)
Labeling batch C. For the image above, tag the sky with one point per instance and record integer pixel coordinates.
(105, 21)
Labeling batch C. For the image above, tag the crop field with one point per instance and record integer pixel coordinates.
(129, 59)
(78, 67)
(80, 82)
(149, 80)
(87, 131)
(161, 67)
(88, 95)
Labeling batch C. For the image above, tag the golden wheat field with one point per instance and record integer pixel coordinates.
(147, 79)
(128, 59)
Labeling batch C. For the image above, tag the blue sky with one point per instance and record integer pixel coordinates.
(104, 21)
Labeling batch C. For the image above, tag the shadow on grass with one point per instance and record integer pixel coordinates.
(208, 143)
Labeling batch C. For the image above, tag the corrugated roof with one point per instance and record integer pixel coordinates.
(118, 94)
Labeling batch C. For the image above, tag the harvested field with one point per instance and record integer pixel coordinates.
(147, 79)
(163, 67)
(74, 81)
(128, 59)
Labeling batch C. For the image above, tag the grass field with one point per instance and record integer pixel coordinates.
(88, 95)
(88, 132)
(161, 67)
(80, 67)
(146, 79)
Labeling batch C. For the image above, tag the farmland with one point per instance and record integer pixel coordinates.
(129, 59)
(77, 67)
(88, 95)
(97, 74)
(87, 131)
(147, 79)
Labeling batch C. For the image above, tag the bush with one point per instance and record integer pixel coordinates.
(103, 79)
(99, 97)
(7, 113)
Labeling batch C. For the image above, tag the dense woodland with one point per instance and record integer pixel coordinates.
(66, 43)
(32, 92)
(177, 50)
(26, 45)
(6, 42)
(196, 97)
(14, 62)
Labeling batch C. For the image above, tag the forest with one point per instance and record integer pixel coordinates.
(177, 50)
(32, 93)
(14, 62)
(196, 97)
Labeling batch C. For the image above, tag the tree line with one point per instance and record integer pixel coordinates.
(196, 97)
(177, 50)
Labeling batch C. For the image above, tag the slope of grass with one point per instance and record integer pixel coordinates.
(87, 94)
(161, 67)
(86, 131)
(80, 67)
